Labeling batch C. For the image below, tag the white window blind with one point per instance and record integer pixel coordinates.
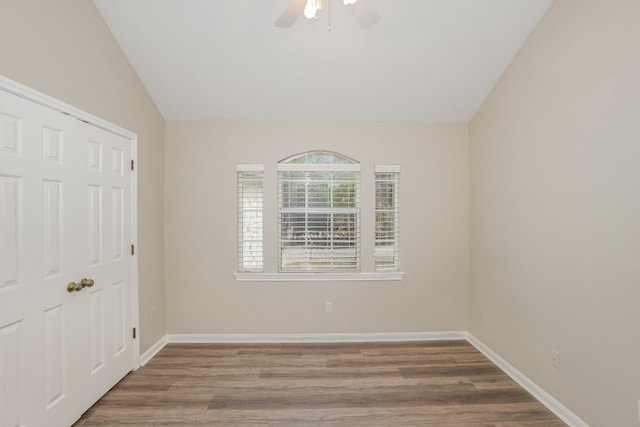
(250, 217)
(318, 217)
(387, 218)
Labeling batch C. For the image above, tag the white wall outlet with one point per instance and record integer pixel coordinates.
(328, 307)
(555, 358)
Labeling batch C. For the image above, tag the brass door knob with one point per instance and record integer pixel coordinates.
(73, 286)
(86, 283)
(78, 286)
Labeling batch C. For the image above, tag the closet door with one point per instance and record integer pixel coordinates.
(65, 216)
(104, 240)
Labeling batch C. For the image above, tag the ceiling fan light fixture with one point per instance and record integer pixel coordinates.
(312, 8)
(363, 13)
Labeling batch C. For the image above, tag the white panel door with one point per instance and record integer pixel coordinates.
(37, 367)
(106, 259)
(65, 215)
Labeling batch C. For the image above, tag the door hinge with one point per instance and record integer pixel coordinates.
(133, 249)
(132, 164)
(134, 332)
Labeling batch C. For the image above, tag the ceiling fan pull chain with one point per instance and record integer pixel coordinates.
(329, 13)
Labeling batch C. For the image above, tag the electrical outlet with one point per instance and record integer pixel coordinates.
(555, 358)
(328, 307)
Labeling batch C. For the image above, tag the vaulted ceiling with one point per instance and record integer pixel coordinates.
(429, 61)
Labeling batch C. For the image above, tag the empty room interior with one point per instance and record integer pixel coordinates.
(505, 132)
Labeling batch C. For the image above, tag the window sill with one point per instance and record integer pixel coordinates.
(318, 277)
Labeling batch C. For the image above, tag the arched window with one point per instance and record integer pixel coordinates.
(319, 213)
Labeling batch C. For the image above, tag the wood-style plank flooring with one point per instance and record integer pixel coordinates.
(433, 383)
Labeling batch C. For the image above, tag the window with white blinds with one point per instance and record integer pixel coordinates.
(250, 217)
(387, 216)
(318, 213)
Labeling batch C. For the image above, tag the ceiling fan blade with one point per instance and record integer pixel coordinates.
(291, 13)
(365, 15)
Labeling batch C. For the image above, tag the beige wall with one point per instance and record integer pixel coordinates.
(201, 195)
(555, 210)
(64, 49)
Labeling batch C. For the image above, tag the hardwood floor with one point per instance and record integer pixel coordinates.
(433, 383)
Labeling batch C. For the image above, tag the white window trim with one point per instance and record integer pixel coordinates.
(387, 168)
(319, 277)
(304, 167)
(250, 167)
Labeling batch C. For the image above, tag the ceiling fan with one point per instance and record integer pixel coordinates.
(362, 11)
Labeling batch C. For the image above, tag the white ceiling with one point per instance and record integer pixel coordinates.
(425, 61)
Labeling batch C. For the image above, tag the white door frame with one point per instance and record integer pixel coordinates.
(25, 92)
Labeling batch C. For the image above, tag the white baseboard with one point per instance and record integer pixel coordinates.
(545, 398)
(542, 396)
(148, 355)
(314, 338)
